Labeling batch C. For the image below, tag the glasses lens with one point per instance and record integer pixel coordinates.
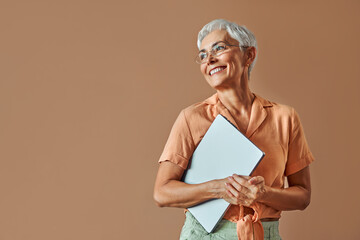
(218, 48)
(201, 57)
(215, 51)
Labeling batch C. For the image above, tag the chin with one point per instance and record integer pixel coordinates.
(217, 83)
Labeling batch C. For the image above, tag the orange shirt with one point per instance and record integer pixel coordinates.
(274, 128)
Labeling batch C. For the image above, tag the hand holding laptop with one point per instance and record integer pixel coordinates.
(244, 190)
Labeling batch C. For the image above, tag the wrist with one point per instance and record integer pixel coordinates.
(266, 194)
(214, 188)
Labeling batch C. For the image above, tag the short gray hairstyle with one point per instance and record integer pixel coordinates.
(237, 32)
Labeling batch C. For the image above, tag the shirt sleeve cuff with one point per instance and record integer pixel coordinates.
(300, 164)
(175, 158)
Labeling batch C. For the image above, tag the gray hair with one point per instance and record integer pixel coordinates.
(239, 33)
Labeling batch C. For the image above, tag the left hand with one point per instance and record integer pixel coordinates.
(245, 190)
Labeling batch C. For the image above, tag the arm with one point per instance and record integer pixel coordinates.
(169, 191)
(295, 197)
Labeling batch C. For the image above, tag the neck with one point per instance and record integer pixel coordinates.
(237, 98)
(237, 101)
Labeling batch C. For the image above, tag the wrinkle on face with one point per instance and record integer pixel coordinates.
(232, 59)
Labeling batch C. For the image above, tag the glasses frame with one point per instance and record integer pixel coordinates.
(197, 58)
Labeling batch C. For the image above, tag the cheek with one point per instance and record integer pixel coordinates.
(232, 59)
(203, 69)
(235, 65)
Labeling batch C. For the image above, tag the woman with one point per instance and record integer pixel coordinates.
(226, 57)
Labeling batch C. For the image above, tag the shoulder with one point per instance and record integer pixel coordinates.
(200, 110)
(275, 107)
(282, 110)
(279, 111)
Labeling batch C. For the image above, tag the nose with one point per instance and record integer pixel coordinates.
(210, 59)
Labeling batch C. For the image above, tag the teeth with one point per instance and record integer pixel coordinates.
(216, 70)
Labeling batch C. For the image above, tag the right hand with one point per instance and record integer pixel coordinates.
(222, 192)
(222, 187)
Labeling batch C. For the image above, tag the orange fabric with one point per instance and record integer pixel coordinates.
(274, 128)
(249, 227)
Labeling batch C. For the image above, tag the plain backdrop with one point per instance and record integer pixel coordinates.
(89, 91)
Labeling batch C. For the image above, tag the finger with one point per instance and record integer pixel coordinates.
(256, 180)
(237, 194)
(242, 180)
(242, 176)
(248, 193)
(234, 183)
(230, 195)
(230, 198)
(232, 190)
(238, 186)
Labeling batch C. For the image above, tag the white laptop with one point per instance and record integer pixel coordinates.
(223, 151)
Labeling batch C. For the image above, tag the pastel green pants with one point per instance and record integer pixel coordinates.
(225, 230)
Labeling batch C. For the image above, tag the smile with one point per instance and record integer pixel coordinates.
(216, 70)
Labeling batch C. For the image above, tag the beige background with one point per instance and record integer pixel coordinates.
(90, 89)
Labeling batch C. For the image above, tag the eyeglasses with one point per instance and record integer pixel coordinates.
(217, 49)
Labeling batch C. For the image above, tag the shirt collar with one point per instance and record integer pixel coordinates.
(258, 112)
(215, 98)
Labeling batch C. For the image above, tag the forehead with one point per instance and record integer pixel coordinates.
(215, 36)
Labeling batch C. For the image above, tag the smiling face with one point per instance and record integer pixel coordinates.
(225, 70)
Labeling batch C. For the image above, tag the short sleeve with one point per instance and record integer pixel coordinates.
(299, 155)
(180, 144)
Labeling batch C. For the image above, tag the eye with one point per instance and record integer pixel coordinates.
(202, 55)
(219, 48)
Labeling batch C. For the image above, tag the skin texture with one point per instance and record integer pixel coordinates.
(232, 84)
(233, 90)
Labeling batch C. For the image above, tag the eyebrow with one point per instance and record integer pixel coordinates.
(203, 50)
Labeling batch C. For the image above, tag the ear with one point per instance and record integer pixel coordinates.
(250, 54)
